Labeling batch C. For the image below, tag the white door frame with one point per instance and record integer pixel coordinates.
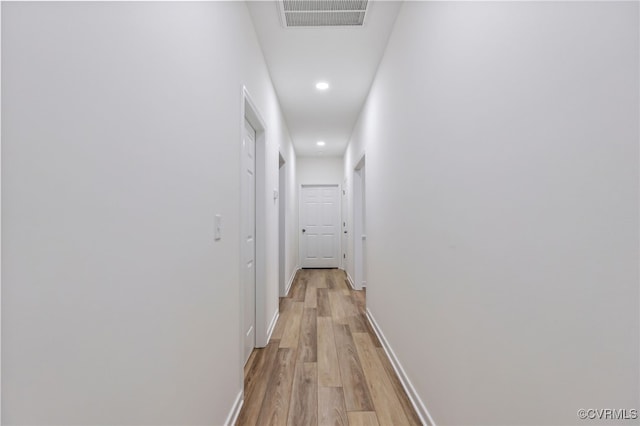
(300, 201)
(359, 209)
(344, 232)
(250, 112)
(282, 226)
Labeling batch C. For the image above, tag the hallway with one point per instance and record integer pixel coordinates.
(160, 164)
(324, 364)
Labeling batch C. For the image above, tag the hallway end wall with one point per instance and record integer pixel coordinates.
(501, 145)
(320, 170)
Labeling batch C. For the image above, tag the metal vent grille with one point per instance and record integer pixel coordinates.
(323, 13)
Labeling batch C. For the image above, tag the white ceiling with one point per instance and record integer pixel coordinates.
(346, 57)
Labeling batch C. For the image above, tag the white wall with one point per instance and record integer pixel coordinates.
(501, 147)
(120, 142)
(320, 170)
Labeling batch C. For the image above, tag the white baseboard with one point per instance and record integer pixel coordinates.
(272, 325)
(235, 410)
(350, 280)
(291, 278)
(417, 403)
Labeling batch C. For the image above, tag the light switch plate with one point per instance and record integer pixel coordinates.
(217, 228)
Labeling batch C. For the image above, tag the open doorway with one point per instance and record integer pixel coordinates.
(359, 225)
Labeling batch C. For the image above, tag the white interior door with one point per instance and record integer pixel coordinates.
(320, 226)
(248, 226)
(359, 227)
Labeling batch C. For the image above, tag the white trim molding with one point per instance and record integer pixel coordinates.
(350, 280)
(235, 410)
(290, 282)
(417, 403)
(272, 325)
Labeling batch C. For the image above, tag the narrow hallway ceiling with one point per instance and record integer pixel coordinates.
(345, 57)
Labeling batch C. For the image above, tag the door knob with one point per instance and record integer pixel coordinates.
(304, 230)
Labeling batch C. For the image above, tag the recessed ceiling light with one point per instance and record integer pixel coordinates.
(322, 85)
(320, 143)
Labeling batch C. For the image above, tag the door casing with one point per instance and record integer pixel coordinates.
(359, 225)
(282, 225)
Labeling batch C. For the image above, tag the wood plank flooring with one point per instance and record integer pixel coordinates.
(323, 365)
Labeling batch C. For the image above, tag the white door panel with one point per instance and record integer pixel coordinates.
(248, 193)
(359, 226)
(344, 234)
(320, 226)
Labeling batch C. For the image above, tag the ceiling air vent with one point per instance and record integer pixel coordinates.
(322, 13)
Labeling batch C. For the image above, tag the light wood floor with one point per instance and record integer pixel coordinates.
(323, 365)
